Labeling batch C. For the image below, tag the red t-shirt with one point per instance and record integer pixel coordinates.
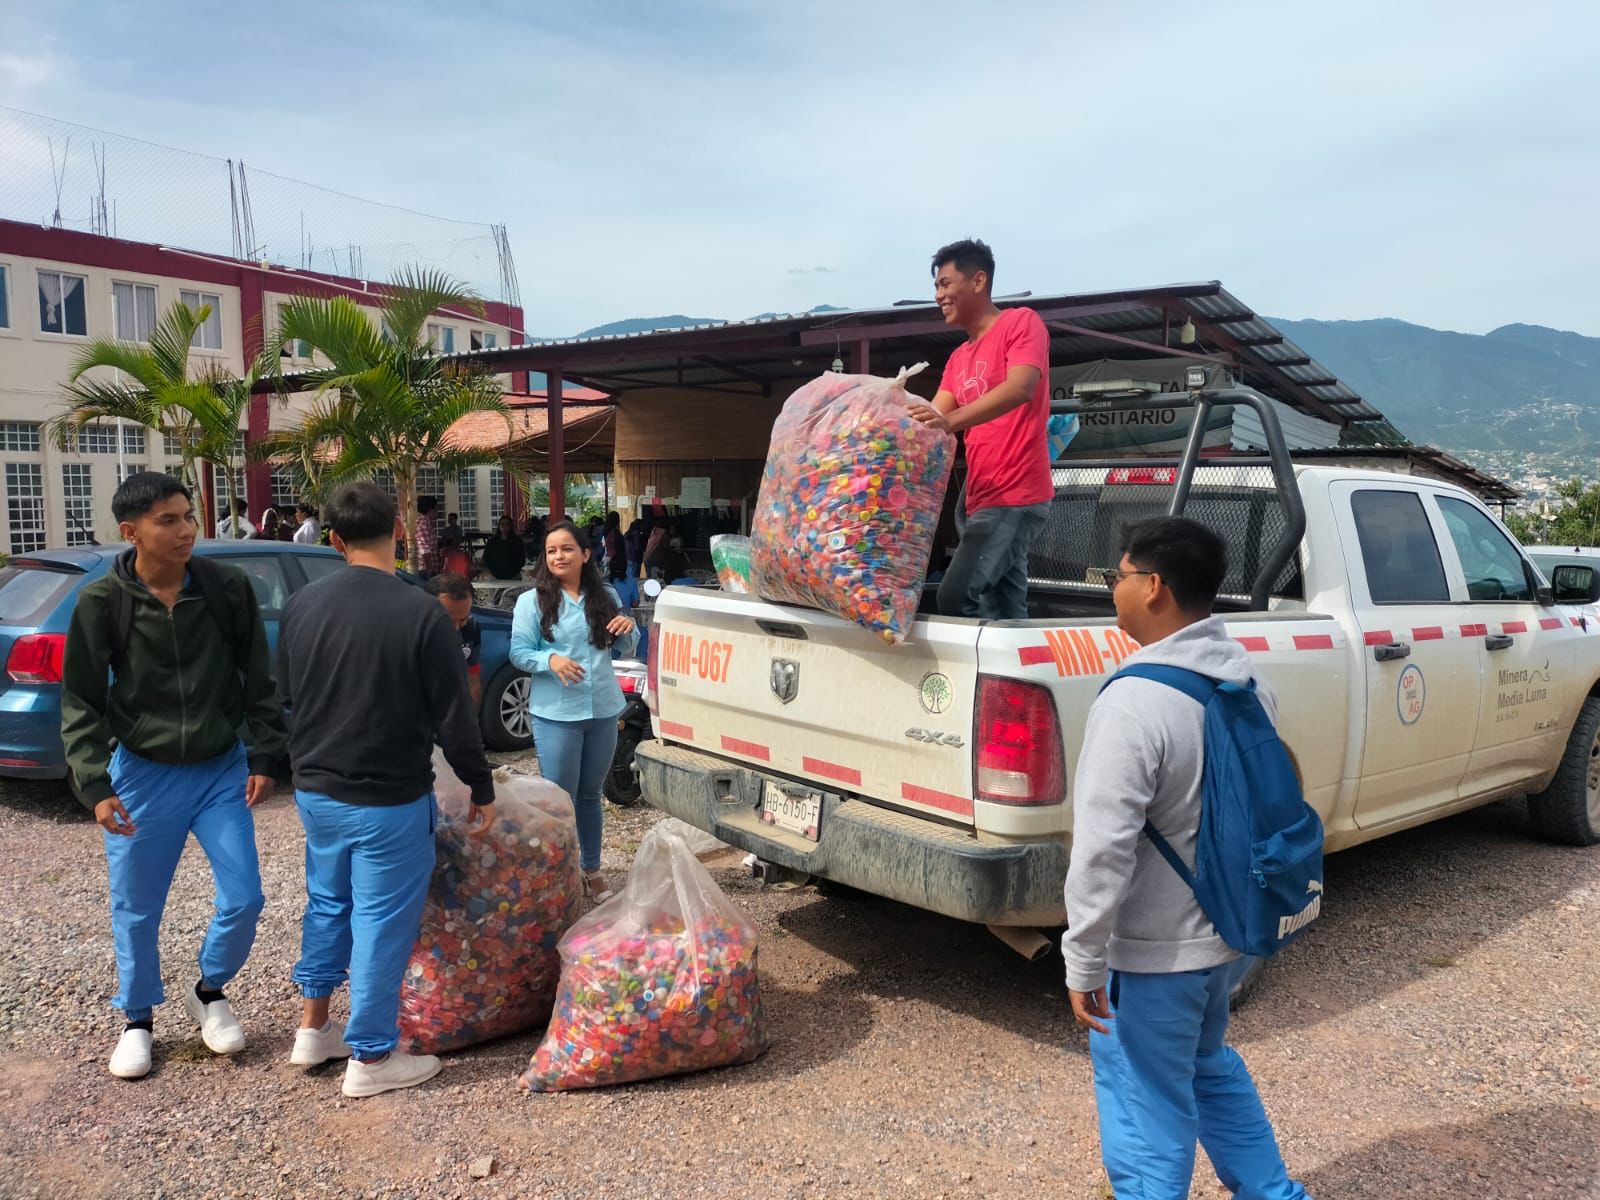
(1008, 458)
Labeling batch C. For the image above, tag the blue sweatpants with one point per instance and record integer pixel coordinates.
(575, 756)
(167, 803)
(1164, 1078)
(367, 873)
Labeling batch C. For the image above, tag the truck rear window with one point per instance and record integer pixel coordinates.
(27, 594)
(1084, 531)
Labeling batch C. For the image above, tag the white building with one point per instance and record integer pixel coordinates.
(59, 288)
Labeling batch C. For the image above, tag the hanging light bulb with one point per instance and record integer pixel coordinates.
(1186, 334)
(837, 365)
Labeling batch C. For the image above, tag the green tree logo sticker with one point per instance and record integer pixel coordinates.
(936, 692)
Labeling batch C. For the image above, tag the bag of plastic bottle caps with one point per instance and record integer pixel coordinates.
(657, 981)
(730, 555)
(850, 501)
(485, 964)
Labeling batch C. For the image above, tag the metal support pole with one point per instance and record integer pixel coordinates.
(1191, 456)
(558, 449)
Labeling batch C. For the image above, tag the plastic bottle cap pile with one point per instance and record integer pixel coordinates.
(849, 503)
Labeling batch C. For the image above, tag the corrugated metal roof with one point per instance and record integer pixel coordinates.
(768, 349)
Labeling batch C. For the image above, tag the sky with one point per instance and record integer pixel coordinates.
(1434, 162)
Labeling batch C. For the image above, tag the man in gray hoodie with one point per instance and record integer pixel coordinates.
(1146, 971)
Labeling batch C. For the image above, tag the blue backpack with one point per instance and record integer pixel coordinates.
(1258, 860)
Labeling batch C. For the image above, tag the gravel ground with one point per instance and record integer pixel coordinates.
(1437, 1036)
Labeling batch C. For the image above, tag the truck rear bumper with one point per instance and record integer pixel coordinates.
(877, 850)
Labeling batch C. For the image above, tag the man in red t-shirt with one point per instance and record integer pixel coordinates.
(996, 388)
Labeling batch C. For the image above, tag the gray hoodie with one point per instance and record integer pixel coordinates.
(1143, 753)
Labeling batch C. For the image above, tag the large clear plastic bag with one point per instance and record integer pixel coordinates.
(850, 501)
(485, 964)
(657, 981)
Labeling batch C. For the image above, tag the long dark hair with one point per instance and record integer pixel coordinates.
(598, 606)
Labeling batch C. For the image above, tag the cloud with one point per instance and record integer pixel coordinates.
(811, 270)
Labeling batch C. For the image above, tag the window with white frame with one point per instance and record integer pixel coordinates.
(98, 438)
(285, 494)
(5, 296)
(467, 498)
(171, 444)
(484, 339)
(385, 480)
(209, 335)
(128, 469)
(77, 498)
(442, 338)
(25, 506)
(497, 496)
(219, 480)
(62, 304)
(133, 311)
(428, 485)
(133, 439)
(19, 436)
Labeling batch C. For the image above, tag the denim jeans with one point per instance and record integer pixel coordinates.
(1164, 1078)
(575, 756)
(168, 802)
(367, 872)
(988, 577)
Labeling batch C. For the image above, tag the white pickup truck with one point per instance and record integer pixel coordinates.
(1422, 664)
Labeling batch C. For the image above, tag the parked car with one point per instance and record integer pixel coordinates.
(1570, 569)
(38, 592)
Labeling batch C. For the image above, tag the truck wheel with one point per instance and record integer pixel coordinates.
(504, 719)
(1247, 982)
(1568, 811)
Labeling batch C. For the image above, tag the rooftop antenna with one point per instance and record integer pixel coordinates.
(247, 219)
(59, 178)
(233, 208)
(99, 216)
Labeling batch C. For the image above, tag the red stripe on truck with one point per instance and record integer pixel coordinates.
(1428, 633)
(959, 805)
(1514, 627)
(1379, 637)
(748, 749)
(828, 770)
(673, 729)
(1033, 656)
(1472, 631)
(1254, 644)
(1313, 641)
(1549, 622)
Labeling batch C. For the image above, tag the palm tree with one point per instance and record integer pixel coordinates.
(386, 401)
(155, 387)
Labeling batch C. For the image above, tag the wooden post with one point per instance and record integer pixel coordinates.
(558, 449)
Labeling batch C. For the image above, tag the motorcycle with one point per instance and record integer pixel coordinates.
(633, 726)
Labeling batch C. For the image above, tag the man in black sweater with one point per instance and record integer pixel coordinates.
(371, 672)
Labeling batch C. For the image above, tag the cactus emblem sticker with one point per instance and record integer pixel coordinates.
(1411, 695)
(936, 693)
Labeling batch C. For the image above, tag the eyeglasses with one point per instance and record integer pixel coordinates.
(1111, 576)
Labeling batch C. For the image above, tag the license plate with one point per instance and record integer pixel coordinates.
(798, 812)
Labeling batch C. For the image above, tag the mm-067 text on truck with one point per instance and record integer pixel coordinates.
(1423, 665)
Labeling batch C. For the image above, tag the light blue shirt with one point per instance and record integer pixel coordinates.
(597, 694)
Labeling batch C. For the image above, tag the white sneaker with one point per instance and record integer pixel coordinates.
(313, 1047)
(131, 1058)
(219, 1028)
(397, 1071)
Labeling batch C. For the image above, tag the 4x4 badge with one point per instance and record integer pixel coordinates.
(785, 679)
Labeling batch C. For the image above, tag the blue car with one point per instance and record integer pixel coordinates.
(37, 594)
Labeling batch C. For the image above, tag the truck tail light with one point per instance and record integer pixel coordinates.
(1163, 476)
(651, 675)
(629, 684)
(1020, 757)
(36, 658)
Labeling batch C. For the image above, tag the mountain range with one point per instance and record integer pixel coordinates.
(1502, 399)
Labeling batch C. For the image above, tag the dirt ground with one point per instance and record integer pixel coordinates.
(1438, 1035)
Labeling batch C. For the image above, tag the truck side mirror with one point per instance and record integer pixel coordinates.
(1576, 585)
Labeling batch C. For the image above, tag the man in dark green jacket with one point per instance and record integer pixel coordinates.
(167, 658)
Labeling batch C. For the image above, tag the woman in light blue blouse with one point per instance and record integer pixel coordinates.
(562, 634)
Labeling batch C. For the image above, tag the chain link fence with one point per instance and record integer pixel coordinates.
(74, 177)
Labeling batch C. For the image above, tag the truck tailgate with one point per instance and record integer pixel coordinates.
(800, 693)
